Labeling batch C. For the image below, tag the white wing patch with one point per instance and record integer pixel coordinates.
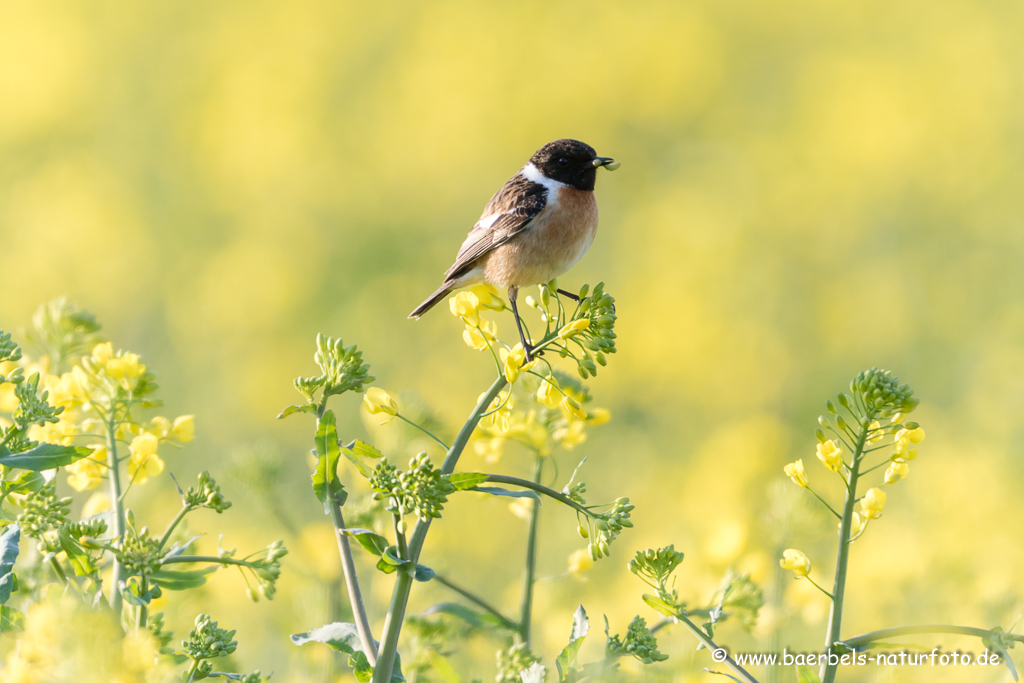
(533, 174)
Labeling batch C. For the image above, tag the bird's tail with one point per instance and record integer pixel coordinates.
(432, 300)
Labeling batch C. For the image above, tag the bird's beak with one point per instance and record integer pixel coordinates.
(607, 162)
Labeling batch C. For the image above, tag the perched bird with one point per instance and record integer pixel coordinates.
(536, 227)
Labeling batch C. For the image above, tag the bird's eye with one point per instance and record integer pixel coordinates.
(563, 162)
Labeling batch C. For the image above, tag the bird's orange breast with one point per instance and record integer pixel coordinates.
(558, 238)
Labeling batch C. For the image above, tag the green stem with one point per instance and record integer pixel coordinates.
(699, 634)
(426, 431)
(355, 596)
(886, 633)
(815, 584)
(478, 601)
(143, 614)
(117, 573)
(824, 502)
(212, 559)
(174, 523)
(539, 488)
(403, 583)
(531, 559)
(828, 671)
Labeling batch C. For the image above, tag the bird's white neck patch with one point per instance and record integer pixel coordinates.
(533, 174)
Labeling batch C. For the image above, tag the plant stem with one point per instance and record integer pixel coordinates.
(531, 559)
(403, 583)
(828, 671)
(143, 613)
(115, 497)
(426, 431)
(711, 646)
(355, 596)
(885, 633)
(539, 488)
(824, 502)
(174, 523)
(478, 601)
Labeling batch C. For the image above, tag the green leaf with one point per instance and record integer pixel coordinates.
(361, 668)
(566, 660)
(372, 542)
(338, 636)
(390, 555)
(443, 668)
(292, 410)
(8, 554)
(326, 486)
(80, 560)
(45, 456)
(359, 453)
(478, 620)
(11, 620)
(660, 605)
(496, 491)
(182, 579)
(424, 573)
(467, 480)
(345, 638)
(28, 481)
(804, 674)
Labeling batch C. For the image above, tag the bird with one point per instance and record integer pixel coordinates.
(535, 228)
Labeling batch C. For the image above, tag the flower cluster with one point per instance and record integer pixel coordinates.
(268, 569)
(207, 494)
(139, 553)
(639, 642)
(422, 488)
(608, 526)
(206, 641)
(589, 328)
(43, 512)
(341, 369)
(513, 661)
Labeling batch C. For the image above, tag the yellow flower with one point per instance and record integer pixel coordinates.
(796, 562)
(490, 449)
(857, 524)
(477, 337)
(916, 435)
(144, 462)
(548, 394)
(378, 401)
(571, 436)
(513, 362)
(897, 470)
(500, 411)
(580, 562)
(160, 427)
(599, 416)
(126, 366)
(574, 328)
(796, 472)
(65, 390)
(903, 450)
(184, 429)
(98, 503)
(488, 297)
(464, 305)
(103, 353)
(830, 454)
(876, 429)
(88, 472)
(61, 433)
(572, 407)
(872, 504)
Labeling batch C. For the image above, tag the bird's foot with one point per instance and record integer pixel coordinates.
(529, 349)
(570, 295)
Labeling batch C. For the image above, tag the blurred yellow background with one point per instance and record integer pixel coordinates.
(807, 189)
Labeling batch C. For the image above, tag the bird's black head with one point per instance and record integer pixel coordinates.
(571, 162)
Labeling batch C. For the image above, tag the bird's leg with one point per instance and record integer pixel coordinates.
(569, 295)
(513, 292)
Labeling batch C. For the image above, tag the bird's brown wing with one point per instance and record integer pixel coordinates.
(511, 211)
